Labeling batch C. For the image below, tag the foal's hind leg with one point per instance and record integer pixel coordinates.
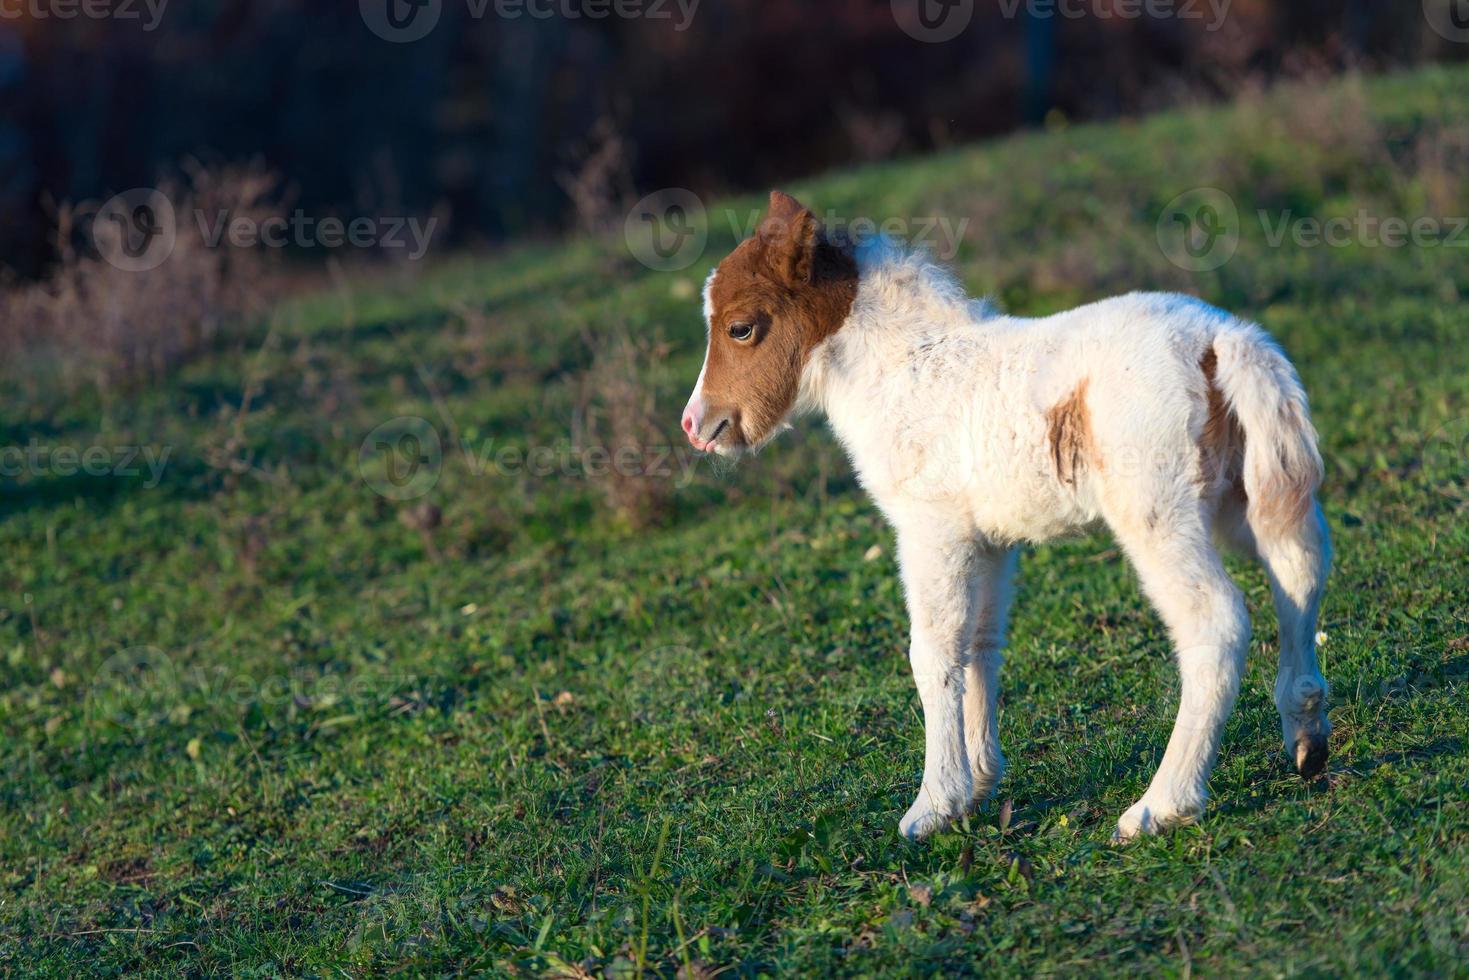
(1206, 618)
(1296, 559)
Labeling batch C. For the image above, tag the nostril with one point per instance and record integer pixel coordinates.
(692, 417)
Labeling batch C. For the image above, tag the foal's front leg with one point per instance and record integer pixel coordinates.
(939, 572)
(991, 589)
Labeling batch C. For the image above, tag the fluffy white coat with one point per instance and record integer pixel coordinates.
(945, 409)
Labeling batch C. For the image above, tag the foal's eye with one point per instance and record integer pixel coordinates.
(741, 331)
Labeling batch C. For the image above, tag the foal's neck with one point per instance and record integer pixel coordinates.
(906, 306)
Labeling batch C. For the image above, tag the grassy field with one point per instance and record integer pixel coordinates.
(257, 717)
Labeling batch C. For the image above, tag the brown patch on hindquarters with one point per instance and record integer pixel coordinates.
(1221, 441)
(1069, 431)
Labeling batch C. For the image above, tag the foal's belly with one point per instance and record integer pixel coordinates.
(1036, 513)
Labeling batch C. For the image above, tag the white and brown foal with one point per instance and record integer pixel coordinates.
(1164, 418)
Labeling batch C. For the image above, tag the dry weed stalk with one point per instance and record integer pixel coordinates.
(94, 324)
(617, 413)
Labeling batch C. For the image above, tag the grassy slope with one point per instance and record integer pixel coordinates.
(535, 739)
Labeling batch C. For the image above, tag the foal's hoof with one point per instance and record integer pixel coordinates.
(1145, 817)
(1311, 755)
(922, 821)
(1306, 742)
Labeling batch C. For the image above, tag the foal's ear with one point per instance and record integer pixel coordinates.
(790, 234)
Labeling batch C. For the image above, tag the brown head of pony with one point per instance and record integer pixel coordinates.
(769, 304)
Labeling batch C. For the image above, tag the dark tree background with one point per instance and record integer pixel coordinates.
(521, 125)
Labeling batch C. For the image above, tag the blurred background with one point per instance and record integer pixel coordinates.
(508, 118)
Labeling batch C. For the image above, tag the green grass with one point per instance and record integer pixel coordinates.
(532, 739)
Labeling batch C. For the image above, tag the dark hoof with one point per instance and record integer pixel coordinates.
(1311, 755)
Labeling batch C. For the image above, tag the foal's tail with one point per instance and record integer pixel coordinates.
(1282, 466)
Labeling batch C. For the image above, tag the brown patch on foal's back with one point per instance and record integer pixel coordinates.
(1069, 432)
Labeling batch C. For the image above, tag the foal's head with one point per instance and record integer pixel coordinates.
(768, 305)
